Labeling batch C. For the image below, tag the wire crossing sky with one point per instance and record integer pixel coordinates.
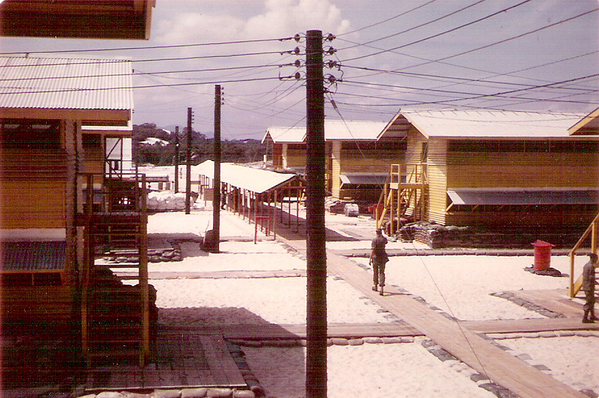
(537, 55)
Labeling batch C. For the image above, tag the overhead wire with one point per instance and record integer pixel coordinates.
(386, 20)
(166, 46)
(444, 32)
(417, 26)
(508, 39)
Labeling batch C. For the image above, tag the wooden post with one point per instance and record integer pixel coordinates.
(274, 218)
(176, 159)
(143, 274)
(188, 163)
(216, 203)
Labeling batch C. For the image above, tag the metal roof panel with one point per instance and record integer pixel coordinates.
(255, 180)
(492, 124)
(65, 83)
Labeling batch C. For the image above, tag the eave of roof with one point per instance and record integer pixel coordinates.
(335, 130)
(65, 83)
(490, 124)
(255, 180)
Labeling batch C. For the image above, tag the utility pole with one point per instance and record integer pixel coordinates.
(188, 159)
(217, 160)
(176, 159)
(316, 322)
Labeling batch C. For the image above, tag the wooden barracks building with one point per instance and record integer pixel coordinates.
(461, 167)
(63, 186)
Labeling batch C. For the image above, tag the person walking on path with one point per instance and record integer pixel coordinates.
(588, 285)
(378, 259)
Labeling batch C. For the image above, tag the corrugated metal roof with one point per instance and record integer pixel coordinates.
(65, 83)
(255, 180)
(33, 256)
(334, 130)
(524, 196)
(280, 135)
(364, 178)
(491, 124)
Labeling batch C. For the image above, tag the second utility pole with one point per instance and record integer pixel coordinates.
(188, 159)
(217, 160)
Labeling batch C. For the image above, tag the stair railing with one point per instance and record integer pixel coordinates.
(592, 230)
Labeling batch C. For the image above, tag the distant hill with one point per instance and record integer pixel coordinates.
(157, 146)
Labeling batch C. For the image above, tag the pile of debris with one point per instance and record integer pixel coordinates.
(435, 235)
(168, 201)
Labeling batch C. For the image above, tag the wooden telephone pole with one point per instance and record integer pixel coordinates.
(217, 160)
(176, 159)
(316, 322)
(188, 160)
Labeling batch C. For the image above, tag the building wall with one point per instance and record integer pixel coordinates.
(335, 170)
(294, 156)
(522, 170)
(33, 188)
(437, 180)
(532, 169)
(363, 157)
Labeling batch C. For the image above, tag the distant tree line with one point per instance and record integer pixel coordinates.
(158, 146)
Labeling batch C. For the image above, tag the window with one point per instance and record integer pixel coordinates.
(557, 146)
(27, 133)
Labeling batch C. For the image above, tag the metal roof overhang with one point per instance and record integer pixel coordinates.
(523, 196)
(363, 178)
(30, 256)
(255, 180)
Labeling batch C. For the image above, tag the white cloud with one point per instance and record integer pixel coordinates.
(277, 18)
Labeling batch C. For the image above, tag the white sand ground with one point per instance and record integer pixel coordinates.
(459, 285)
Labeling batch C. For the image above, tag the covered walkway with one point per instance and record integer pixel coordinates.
(255, 194)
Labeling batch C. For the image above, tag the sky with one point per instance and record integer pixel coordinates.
(533, 55)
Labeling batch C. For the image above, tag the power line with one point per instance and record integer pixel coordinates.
(145, 73)
(444, 32)
(387, 20)
(77, 61)
(66, 90)
(460, 80)
(417, 26)
(171, 46)
(508, 39)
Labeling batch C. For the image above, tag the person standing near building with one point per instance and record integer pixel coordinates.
(588, 285)
(378, 259)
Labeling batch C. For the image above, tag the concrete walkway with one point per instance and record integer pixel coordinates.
(453, 336)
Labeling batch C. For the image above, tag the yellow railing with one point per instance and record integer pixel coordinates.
(593, 230)
(404, 188)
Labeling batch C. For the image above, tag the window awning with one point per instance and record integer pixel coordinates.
(33, 256)
(364, 178)
(524, 196)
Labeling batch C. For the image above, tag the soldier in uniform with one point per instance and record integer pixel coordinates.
(588, 285)
(378, 259)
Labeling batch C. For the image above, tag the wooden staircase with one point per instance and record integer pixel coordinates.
(405, 193)
(116, 318)
(593, 232)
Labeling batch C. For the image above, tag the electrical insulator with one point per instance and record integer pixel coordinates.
(331, 51)
(297, 75)
(297, 63)
(330, 37)
(296, 51)
(297, 37)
